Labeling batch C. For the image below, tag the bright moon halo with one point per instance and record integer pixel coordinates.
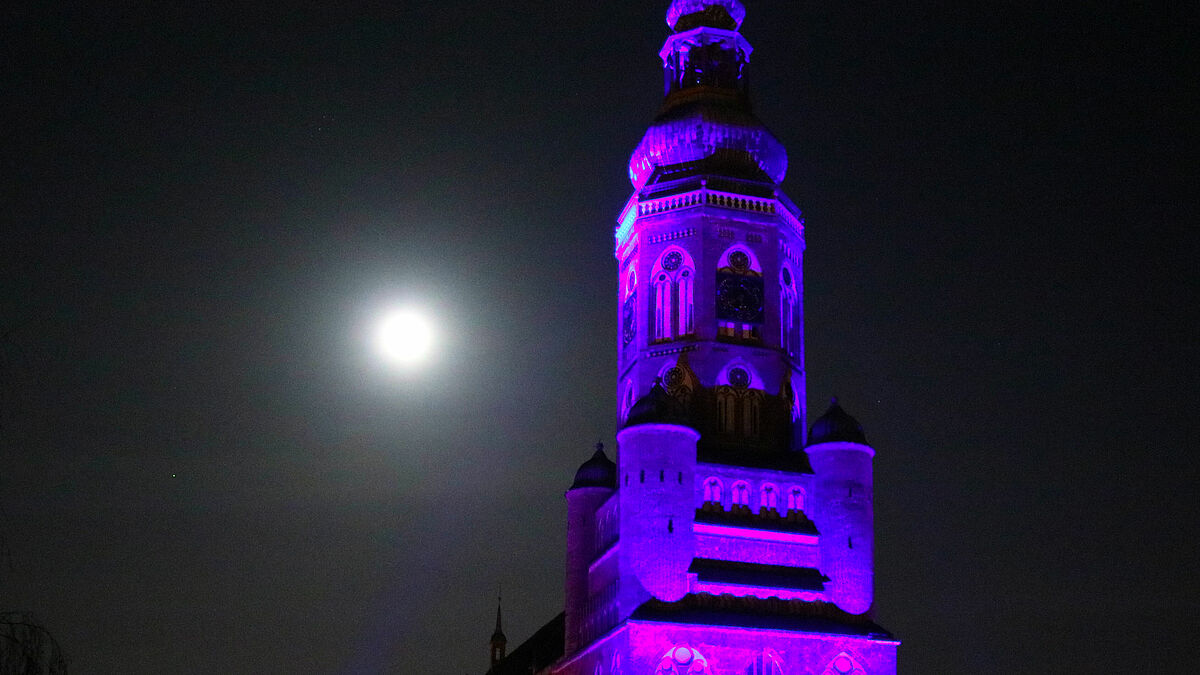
(404, 337)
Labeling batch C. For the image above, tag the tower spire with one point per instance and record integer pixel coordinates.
(499, 642)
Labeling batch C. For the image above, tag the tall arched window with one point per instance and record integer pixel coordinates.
(673, 281)
(739, 296)
(787, 310)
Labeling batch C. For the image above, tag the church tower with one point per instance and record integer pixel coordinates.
(724, 539)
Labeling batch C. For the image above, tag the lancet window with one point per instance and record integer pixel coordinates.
(788, 307)
(739, 296)
(674, 298)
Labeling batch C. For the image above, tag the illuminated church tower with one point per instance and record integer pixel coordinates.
(724, 539)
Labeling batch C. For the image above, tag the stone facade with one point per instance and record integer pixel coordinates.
(723, 539)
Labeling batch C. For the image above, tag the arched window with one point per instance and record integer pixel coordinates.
(795, 500)
(739, 296)
(739, 400)
(674, 311)
(787, 310)
(764, 664)
(627, 401)
(740, 494)
(712, 493)
(768, 498)
(844, 664)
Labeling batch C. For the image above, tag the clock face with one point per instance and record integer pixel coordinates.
(629, 319)
(740, 299)
(672, 261)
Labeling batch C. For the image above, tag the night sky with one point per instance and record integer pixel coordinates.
(206, 469)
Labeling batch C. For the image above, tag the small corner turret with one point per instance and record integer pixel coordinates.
(844, 489)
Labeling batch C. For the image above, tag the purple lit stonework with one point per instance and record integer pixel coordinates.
(724, 539)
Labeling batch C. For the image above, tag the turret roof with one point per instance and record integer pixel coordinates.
(836, 425)
(599, 471)
(658, 407)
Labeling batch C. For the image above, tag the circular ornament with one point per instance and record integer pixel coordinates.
(739, 261)
(672, 261)
(787, 277)
(739, 378)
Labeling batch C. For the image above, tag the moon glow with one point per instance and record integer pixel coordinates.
(404, 337)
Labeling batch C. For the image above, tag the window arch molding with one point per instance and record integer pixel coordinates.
(724, 264)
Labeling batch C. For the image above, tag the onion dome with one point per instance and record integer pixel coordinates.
(727, 14)
(706, 115)
(836, 426)
(688, 133)
(598, 471)
(658, 407)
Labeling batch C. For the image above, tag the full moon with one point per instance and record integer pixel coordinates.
(404, 337)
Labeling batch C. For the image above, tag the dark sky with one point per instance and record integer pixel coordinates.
(205, 469)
